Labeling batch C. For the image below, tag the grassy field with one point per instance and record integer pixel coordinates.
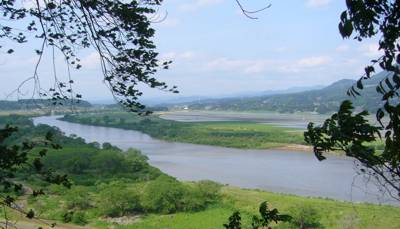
(249, 135)
(331, 214)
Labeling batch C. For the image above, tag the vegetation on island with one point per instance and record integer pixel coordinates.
(248, 135)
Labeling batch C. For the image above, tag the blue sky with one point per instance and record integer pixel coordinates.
(217, 51)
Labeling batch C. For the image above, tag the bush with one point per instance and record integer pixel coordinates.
(79, 218)
(67, 216)
(164, 195)
(78, 199)
(167, 195)
(74, 217)
(209, 190)
(304, 217)
(117, 200)
(108, 146)
(200, 195)
(108, 162)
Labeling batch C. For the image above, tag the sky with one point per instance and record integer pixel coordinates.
(217, 51)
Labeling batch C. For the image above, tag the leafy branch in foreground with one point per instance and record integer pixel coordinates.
(15, 157)
(265, 219)
(368, 19)
(119, 31)
(350, 132)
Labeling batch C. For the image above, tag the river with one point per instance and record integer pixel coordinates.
(291, 172)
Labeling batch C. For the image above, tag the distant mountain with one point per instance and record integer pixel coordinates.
(29, 104)
(324, 100)
(179, 99)
(275, 92)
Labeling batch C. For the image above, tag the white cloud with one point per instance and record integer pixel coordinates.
(310, 62)
(91, 61)
(242, 66)
(169, 22)
(318, 3)
(371, 50)
(178, 56)
(342, 48)
(197, 4)
(267, 65)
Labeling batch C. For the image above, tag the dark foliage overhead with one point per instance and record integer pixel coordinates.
(119, 31)
(347, 131)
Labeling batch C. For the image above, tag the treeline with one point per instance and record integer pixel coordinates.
(29, 104)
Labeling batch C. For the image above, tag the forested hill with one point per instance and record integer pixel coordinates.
(325, 100)
(28, 104)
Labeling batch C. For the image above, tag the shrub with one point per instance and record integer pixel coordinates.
(209, 190)
(108, 162)
(167, 195)
(67, 216)
(304, 217)
(200, 195)
(117, 200)
(78, 199)
(136, 160)
(164, 195)
(79, 218)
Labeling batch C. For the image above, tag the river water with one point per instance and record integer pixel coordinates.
(298, 173)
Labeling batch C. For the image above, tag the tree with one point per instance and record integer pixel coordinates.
(13, 157)
(351, 132)
(119, 31)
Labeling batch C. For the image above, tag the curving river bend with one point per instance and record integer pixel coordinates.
(273, 170)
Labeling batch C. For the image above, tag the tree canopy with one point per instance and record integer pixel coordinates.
(350, 132)
(119, 31)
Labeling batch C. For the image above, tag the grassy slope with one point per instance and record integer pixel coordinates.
(247, 135)
(333, 213)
